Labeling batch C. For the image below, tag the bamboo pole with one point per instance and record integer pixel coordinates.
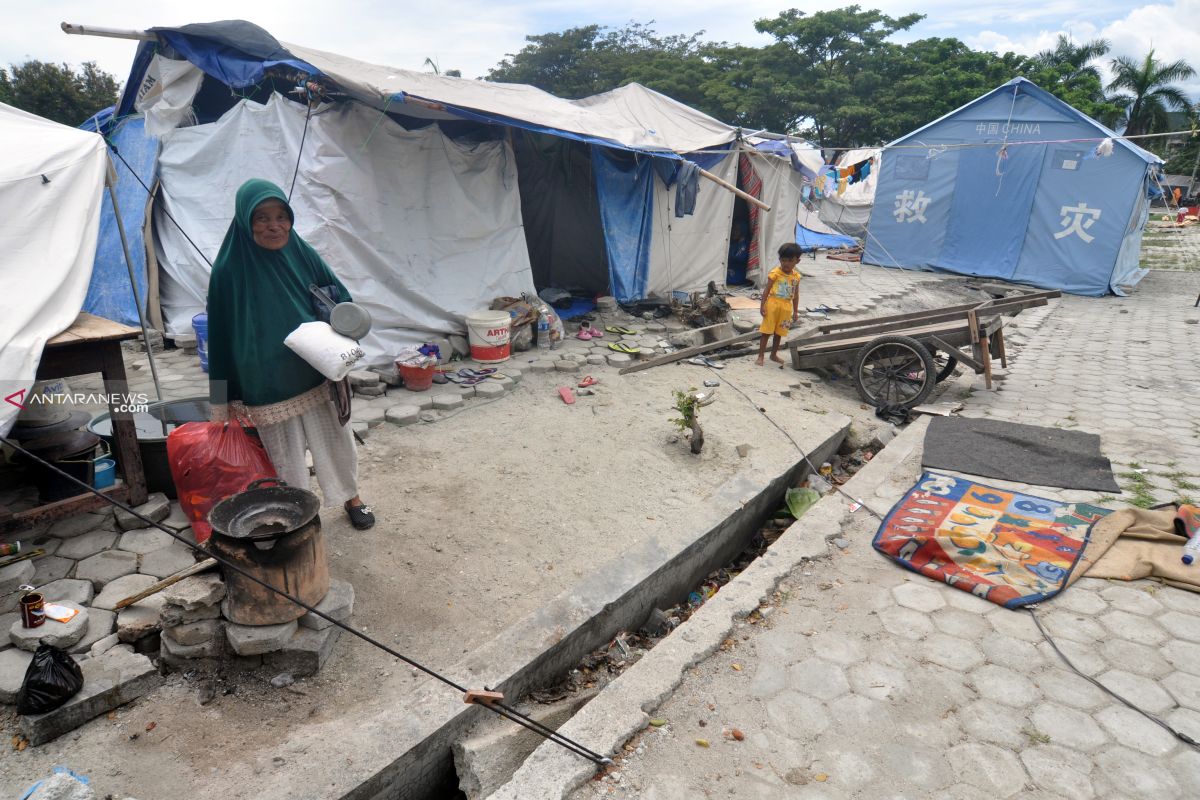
(111, 33)
(749, 198)
(170, 580)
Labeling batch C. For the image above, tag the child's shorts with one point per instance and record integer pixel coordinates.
(779, 313)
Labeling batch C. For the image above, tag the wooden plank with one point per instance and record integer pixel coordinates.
(822, 344)
(688, 352)
(957, 353)
(170, 580)
(872, 326)
(1031, 300)
(90, 328)
(63, 509)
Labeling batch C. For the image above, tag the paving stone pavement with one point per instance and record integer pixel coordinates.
(866, 681)
(1123, 368)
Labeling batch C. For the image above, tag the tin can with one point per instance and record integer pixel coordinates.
(826, 469)
(10, 549)
(33, 608)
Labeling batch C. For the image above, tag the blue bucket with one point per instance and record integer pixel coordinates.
(200, 326)
(106, 473)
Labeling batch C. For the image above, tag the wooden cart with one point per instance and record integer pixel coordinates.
(897, 360)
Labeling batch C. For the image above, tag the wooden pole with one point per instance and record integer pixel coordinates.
(749, 198)
(111, 33)
(154, 588)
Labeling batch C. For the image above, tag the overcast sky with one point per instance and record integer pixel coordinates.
(474, 35)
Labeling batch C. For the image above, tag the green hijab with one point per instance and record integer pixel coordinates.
(256, 297)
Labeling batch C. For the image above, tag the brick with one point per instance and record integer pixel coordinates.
(103, 568)
(156, 508)
(140, 619)
(337, 603)
(144, 540)
(51, 568)
(447, 402)
(117, 590)
(14, 663)
(77, 525)
(196, 591)
(253, 640)
(59, 634)
(194, 633)
(110, 681)
(100, 625)
(15, 575)
(173, 651)
(305, 653)
(403, 415)
(171, 616)
(86, 545)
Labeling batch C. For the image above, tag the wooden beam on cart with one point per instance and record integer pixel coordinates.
(1004, 305)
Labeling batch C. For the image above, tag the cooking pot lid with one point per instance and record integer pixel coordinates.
(63, 444)
(74, 419)
(350, 319)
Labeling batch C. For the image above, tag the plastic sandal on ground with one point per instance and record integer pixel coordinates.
(361, 516)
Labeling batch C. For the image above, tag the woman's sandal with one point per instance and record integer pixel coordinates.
(361, 516)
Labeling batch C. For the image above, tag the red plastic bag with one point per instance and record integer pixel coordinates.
(211, 461)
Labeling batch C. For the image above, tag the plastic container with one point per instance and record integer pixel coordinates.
(543, 333)
(489, 335)
(200, 326)
(416, 379)
(106, 473)
(1191, 550)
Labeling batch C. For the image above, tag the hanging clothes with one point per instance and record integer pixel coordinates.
(687, 186)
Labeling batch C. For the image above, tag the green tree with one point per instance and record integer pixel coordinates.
(1145, 92)
(1067, 71)
(826, 66)
(58, 92)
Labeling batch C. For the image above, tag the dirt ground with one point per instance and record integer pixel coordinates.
(484, 517)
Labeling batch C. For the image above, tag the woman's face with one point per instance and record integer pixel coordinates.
(270, 225)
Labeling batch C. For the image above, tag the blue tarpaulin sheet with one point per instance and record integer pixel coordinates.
(625, 187)
(109, 294)
(811, 240)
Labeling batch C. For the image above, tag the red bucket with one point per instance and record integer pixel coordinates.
(416, 379)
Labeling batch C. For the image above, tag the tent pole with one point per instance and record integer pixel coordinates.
(112, 195)
(111, 33)
(749, 198)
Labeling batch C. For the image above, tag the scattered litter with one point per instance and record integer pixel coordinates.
(711, 384)
(282, 680)
(943, 409)
(657, 723)
(567, 395)
(737, 734)
(702, 742)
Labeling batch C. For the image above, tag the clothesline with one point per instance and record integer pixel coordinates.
(962, 145)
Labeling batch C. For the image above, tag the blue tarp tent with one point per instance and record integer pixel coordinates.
(1010, 186)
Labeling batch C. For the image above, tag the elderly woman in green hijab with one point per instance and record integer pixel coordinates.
(257, 295)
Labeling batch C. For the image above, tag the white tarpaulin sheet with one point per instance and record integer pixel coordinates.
(850, 213)
(688, 252)
(626, 116)
(422, 229)
(51, 184)
(166, 94)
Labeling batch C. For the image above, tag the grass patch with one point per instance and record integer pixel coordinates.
(1035, 736)
(1179, 481)
(1138, 486)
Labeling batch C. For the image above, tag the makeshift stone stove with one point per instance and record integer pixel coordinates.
(196, 630)
(92, 562)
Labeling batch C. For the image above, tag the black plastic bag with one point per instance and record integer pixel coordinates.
(52, 679)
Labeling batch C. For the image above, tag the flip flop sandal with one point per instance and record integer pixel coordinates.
(622, 347)
(596, 333)
(361, 517)
(453, 377)
(567, 395)
(440, 378)
(620, 329)
(587, 381)
(476, 373)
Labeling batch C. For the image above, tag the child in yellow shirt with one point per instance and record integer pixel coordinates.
(781, 301)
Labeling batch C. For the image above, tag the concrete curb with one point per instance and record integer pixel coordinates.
(624, 706)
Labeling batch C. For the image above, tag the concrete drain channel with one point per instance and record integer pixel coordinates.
(537, 656)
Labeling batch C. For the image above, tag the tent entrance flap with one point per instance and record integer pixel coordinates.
(561, 213)
(989, 214)
(625, 188)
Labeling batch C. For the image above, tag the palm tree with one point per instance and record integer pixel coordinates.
(1148, 93)
(1073, 61)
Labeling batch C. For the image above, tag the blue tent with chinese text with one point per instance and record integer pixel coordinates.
(1015, 185)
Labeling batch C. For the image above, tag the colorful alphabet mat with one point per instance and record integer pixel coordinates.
(1011, 548)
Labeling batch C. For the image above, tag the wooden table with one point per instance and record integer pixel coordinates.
(92, 344)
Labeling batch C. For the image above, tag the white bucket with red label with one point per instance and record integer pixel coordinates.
(489, 333)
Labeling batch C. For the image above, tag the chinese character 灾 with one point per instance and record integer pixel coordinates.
(1076, 220)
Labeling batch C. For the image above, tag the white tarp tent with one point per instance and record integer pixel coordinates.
(423, 229)
(850, 212)
(51, 185)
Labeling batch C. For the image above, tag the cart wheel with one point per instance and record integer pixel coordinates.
(944, 363)
(894, 370)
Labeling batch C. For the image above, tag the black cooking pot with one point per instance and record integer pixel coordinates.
(262, 514)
